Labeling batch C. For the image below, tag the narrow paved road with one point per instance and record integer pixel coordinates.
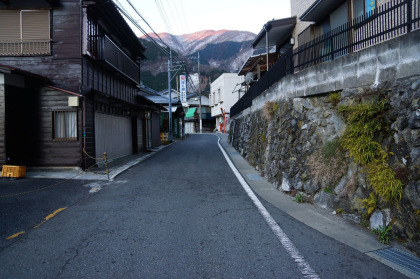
(180, 214)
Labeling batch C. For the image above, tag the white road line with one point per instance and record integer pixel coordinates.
(303, 266)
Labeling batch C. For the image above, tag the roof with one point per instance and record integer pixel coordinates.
(278, 32)
(258, 57)
(193, 101)
(320, 9)
(8, 70)
(144, 101)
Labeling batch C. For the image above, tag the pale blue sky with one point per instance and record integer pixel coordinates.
(189, 16)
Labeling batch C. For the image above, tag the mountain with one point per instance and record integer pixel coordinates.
(220, 51)
(190, 43)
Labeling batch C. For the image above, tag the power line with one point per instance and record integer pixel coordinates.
(145, 21)
(136, 24)
(163, 15)
(183, 12)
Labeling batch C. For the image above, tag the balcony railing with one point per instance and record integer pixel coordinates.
(25, 48)
(113, 56)
(393, 19)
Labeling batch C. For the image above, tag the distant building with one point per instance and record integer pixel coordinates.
(225, 91)
(162, 98)
(192, 117)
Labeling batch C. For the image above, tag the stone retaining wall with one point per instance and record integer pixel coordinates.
(283, 134)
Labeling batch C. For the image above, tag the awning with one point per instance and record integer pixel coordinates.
(278, 32)
(190, 112)
(320, 10)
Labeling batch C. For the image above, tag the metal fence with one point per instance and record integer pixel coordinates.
(393, 19)
(25, 48)
(283, 67)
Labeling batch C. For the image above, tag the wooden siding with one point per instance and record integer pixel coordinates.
(57, 153)
(63, 66)
(102, 80)
(29, 131)
(2, 125)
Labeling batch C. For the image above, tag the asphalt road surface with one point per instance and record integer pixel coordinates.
(179, 214)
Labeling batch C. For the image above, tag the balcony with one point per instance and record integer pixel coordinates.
(25, 48)
(112, 56)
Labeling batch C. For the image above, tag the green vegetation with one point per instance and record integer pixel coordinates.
(327, 190)
(364, 125)
(383, 233)
(299, 198)
(263, 138)
(340, 211)
(335, 97)
(371, 203)
(331, 149)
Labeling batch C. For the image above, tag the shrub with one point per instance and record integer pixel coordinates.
(334, 98)
(360, 139)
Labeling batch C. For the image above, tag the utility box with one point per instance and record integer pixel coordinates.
(73, 101)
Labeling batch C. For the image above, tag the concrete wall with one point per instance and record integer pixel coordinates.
(377, 66)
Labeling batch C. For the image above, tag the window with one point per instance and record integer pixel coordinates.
(361, 7)
(25, 32)
(65, 125)
(218, 95)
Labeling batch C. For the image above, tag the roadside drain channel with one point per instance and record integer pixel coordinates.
(400, 258)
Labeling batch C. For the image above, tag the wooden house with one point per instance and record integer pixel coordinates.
(69, 77)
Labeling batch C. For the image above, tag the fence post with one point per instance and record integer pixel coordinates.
(332, 45)
(409, 14)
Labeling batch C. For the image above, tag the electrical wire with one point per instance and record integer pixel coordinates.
(135, 23)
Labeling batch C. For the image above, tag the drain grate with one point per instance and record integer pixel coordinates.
(254, 176)
(401, 258)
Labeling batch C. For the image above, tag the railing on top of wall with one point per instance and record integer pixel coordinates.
(393, 19)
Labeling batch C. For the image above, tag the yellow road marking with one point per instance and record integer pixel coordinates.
(50, 216)
(15, 235)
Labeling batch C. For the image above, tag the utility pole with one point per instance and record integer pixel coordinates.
(199, 94)
(170, 95)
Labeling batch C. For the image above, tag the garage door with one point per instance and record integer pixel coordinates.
(112, 135)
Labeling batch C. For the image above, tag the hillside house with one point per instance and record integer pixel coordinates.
(68, 83)
(324, 30)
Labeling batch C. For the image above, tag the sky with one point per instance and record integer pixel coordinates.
(189, 16)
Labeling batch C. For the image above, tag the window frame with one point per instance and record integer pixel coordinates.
(65, 133)
(40, 36)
